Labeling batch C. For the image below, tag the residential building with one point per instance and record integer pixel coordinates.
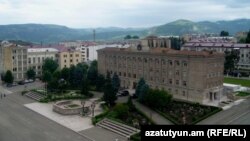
(67, 57)
(244, 50)
(89, 51)
(14, 58)
(37, 55)
(187, 75)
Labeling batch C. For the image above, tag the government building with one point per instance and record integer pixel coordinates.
(187, 75)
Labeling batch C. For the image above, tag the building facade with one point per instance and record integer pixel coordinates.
(14, 58)
(244, 50)
(36, 57)
(67, 57)
(154, 41)
(187, 75)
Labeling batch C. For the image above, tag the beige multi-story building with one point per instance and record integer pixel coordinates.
(14, 58)
(37, 55)
(67, 57)
(187, 75)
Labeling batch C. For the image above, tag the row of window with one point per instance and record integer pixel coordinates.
(71, 55)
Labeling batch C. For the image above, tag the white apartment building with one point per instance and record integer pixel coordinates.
(36, 57)
(89, 51)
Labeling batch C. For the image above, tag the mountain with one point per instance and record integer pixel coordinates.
(181, 27)
(48, 33)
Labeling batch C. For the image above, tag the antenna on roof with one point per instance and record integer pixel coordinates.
(94, 35)
(41, 43)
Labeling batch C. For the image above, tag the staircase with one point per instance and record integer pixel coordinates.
(35, 96)
(119, 128)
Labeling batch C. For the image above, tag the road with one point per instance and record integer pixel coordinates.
(18, 123)
(238, 114)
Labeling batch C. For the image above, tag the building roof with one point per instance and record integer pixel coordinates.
(42, 50)
(59, 48)
(218, 45)
(162, 51)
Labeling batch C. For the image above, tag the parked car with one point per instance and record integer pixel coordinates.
(134, 96)
(122, 93)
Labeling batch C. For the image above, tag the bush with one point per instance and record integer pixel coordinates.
(121, 111)
(136, 137)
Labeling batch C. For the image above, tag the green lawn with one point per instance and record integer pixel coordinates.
(241, 82)
(243, 94)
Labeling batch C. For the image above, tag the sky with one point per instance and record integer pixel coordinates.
(119, 13)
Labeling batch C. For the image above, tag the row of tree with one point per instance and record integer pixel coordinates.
(131, 37)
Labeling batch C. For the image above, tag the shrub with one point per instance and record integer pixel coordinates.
(121, 110)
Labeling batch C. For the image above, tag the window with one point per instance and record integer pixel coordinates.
(183, 93)
(184, 83)
(120, 73)
(170, 81)
(134, 75)
(169, 90)
(71, 55)
(77, 55)
(170, 62)
(177, 63)
(177, 82)
(177, 73)
(176, 91)
(65, 66)
(184, 63)
(76, 60)
(124, 74)
(65, 61)
(65, 55)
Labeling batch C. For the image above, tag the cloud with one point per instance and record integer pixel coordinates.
(124, 13)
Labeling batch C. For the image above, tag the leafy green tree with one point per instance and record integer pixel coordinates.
(65, 73)
(8, 77)
(127, 37)
(85, 87)
(139, 86)
(92, 73)
(47, 76)
(157, 99)
(116, 82)
(224, 33)
(248, 37)
(31, 74)
(231, 60)
(135, 37)
(49, 65)
(100, 82)
(109, 95)
(143, 91)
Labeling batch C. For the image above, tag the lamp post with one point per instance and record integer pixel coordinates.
(83, 103)
(93, 108)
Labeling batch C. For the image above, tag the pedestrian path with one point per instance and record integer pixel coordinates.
(4, 91)
(157, 118)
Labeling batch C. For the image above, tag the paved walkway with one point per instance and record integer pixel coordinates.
(157, 118)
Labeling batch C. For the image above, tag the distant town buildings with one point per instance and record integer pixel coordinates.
(187, 75)
(244, 50)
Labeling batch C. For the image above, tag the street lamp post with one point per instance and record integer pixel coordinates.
(93, 108)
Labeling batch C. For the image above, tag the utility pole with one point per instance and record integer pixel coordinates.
(94, 36)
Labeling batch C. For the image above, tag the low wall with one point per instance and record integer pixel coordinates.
(62, 108)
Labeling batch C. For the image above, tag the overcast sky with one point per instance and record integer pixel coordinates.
(121, 13)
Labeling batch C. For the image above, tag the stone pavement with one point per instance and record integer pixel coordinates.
(157, 118)
(74, 122)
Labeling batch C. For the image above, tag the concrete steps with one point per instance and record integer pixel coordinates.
(35, 96)
(119, 128)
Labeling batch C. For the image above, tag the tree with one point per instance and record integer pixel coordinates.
(49, 65)
(135, 37)
(8, 77)
(157, 99)
(248, 37)
(109, 95)
(47, 76)
(231, 60)
(85, 87)
(121, 110)
(100, 82)
(65, 74)
(224, 33)
(92, 73)
(139, 86)
(143, 91)
(127, 37)
(31, 74)
(116, 82)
